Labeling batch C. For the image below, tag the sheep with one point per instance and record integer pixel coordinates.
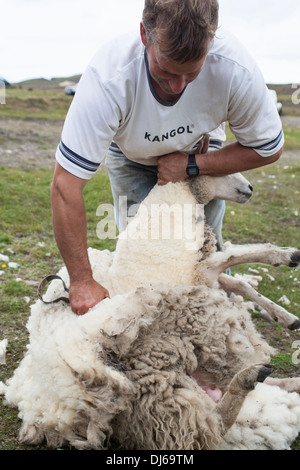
(153, 354)
(189, 256)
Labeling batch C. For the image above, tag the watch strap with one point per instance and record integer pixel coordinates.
(192, 168)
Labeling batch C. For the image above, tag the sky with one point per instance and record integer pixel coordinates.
(57, 38)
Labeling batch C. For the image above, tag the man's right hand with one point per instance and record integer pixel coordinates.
(86, 294)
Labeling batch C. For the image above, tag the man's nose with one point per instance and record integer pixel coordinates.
(177, 84)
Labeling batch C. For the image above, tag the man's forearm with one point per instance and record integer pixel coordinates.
(69, 225)
(232, 158)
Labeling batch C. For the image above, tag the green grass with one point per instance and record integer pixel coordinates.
(26, 236)
(35, 104)
(26, 224)
(291, 134)
(292, 137)
(271, 216)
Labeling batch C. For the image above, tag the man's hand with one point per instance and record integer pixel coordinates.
(172, 168)
(84, 295)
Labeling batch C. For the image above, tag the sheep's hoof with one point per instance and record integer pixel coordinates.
(264, 372)
(295, 259)
(247, 378)
(295, 325)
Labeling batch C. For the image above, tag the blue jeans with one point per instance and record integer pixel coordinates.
(135, 181)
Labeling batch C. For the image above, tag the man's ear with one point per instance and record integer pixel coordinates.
(143, 34)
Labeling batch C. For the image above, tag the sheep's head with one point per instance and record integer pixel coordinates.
(234, 188)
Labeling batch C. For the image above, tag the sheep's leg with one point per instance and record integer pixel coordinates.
(290, 385)
(277, 313)
(242, 254)
(232, 401)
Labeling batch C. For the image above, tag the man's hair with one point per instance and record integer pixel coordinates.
(181, 29)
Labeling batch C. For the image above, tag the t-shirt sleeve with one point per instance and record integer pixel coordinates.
(89, 128)
(252, 115)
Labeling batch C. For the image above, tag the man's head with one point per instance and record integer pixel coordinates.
(178, 35)
(182, 30)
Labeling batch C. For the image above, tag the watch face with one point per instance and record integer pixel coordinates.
(193, 171)
(192, 168)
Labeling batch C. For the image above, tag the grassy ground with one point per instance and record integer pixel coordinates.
(26, 237)
(38, 104)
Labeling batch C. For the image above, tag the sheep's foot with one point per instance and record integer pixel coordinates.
(242, 254)
(277, 313)
(243, 382)
(289, 384)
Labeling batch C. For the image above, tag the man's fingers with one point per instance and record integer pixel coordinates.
(83, 309)
(86, 295)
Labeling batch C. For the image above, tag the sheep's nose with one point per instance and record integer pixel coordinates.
(251, 188)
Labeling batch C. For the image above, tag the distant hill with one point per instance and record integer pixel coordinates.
(285, 89)
(45, 84)
(282, 89)
(54, 82)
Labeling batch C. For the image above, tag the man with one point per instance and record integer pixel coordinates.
(146, 102)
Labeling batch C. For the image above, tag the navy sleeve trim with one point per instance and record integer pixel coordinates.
(115, 148)
(216, 144)
(271, 145)
(77, 159)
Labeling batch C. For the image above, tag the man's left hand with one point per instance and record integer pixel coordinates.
(172, 168)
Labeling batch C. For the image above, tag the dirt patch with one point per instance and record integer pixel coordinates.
(291, 121)
(290, 157)
(29, 143)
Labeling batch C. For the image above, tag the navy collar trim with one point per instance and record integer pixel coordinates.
(156, 96)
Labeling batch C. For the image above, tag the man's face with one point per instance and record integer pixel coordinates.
(169, 78)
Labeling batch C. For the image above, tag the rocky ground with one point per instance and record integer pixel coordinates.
(29, 143)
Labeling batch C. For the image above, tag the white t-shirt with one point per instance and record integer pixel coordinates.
(116, 102)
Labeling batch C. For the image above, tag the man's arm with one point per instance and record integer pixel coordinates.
(233, 158)
(69, 224)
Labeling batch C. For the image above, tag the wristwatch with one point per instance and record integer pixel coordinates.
(192, 168)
